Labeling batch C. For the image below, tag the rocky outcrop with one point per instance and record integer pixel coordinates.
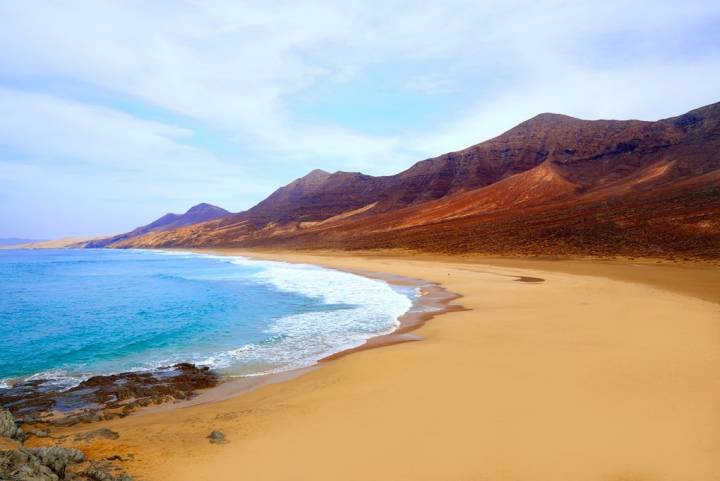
(54, 464)
(102, 433)
(8, 425)
(217, 437)
(39, 464)
(104, 397)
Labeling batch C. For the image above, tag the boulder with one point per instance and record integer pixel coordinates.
(103, 397)
(8, 425)
(54, 464)
(217, 437)
(38, 464)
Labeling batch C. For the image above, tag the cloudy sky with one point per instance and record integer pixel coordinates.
(113, 113)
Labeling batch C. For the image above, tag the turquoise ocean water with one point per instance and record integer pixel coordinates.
(68, 314)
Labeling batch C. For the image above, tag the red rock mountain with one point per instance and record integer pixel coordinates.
(553, 184)
(196, 214)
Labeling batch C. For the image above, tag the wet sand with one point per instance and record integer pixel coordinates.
(574, 377)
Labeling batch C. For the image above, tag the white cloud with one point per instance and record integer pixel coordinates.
(71, 161)
(236, 65)
(237, 68)
(46, 126)
(632, 93)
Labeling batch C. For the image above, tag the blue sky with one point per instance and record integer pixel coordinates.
(113, 113)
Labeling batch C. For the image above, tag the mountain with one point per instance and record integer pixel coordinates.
(553, 184)
(196, 214)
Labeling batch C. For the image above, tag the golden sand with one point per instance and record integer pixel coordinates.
(571, 379)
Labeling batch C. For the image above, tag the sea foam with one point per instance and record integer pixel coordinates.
(302, 339)
(371, 308)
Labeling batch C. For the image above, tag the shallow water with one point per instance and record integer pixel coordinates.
(68, 314)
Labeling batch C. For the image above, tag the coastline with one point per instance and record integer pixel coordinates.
(433, 301)
(429, 300)
(573, 378)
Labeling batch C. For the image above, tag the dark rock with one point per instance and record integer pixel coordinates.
(8, 425)
(54, 464)
(102, 471)
(97, 474)
(102, 397)
(104, 433)
(39, 464)
(57, 458)
(66, 421)
(217, 437)
(21, 466)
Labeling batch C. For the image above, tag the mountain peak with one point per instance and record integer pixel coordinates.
(316, 175)
(206, 208)
(202, 212)
(310, 180)
(550, 119)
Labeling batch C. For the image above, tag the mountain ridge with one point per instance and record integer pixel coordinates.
(551, 161)
(196, 214)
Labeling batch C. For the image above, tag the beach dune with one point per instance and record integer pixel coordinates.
(573, 378)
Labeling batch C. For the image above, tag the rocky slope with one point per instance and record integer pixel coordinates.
(553, 184)
(196, 214)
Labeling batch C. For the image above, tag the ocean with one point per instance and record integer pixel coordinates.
(68, 314)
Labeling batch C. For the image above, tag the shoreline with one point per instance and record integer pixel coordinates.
(433, 301)
(571, 379)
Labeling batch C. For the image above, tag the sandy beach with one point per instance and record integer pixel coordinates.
(601, 371)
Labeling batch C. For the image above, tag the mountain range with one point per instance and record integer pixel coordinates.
(553, 185)
(195, 215)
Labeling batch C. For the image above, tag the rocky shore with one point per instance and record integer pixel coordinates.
(50, 463)
(55, 464)
(103, 397)
(36, 408)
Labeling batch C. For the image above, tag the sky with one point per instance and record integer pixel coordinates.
(113, 113)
